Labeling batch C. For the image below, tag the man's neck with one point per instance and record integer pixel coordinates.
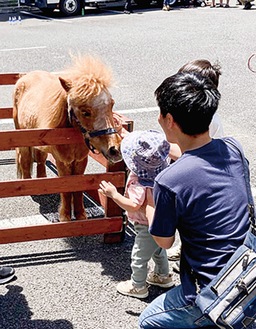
(188, 143)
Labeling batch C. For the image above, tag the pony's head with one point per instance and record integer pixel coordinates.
(90, 105)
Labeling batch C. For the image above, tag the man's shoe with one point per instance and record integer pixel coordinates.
(128, 289)
(155, 279)
(6, 274)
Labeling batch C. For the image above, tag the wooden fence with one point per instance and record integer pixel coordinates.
(112, 225)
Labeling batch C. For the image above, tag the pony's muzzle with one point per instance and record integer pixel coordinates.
(113, 154)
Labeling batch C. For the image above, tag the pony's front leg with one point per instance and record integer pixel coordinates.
(78, 198)
(65, 206)
(79, 210)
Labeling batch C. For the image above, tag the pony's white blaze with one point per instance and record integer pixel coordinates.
(104, 118)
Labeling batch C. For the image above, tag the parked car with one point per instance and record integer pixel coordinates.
(74, 7)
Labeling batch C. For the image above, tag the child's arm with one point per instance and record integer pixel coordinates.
(109, 190)
(150, 209)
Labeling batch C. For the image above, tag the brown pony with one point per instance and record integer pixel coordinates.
(78, 97)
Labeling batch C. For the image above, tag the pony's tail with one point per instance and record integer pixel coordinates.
(24, 162)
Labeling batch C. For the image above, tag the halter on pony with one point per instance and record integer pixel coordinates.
(91, 134)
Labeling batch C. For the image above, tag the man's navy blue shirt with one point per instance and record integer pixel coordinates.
(203, 195)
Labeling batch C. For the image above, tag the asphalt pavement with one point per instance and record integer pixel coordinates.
(70, 283)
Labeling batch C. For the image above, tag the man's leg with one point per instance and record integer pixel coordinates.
(171, 310)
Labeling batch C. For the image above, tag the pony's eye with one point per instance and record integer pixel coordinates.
(86, 114)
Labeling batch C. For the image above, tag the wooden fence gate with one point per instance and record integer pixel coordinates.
(112, 225)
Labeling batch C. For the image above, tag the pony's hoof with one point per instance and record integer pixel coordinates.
(65, 219)
(81, 216)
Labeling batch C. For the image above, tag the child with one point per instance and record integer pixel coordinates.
(145, 154)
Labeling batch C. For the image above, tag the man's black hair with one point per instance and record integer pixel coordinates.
(191, 99)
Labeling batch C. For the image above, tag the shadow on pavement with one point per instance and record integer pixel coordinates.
(16, 313)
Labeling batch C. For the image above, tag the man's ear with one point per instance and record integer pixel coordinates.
(170, 120)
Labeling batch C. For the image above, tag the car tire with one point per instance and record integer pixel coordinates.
(70, 7)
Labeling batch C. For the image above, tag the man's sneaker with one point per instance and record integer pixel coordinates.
(6, 274)
(155, 279)
(128, 289)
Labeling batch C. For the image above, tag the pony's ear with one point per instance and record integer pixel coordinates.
(66, 84)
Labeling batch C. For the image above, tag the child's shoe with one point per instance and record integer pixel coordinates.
(127, 288)
(155, 279)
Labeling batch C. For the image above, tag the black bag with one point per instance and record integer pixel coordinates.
(230, 298)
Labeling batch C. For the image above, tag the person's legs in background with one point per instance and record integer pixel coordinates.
(128, 7)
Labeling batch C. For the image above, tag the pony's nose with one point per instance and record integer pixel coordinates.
(114, 153)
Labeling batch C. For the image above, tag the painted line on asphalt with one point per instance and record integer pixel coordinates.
(24, 48)
(21, 221)
(131, 111)
(140, 110)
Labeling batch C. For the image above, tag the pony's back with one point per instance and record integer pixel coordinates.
(39, 101)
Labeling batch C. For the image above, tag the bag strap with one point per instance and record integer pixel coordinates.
(248, 186)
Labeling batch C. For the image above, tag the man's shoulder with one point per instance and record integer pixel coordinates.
(178, 171)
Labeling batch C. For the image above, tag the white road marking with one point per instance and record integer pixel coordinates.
(130, 111)
(140, 110)
(23, 221)
(24, 48)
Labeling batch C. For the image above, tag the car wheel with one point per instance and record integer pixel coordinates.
(70, 7)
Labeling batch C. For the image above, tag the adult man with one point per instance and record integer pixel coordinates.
(203, 195)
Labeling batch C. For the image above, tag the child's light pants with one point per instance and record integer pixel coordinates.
(143, 250)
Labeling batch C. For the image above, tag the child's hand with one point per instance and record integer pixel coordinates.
(107, 189)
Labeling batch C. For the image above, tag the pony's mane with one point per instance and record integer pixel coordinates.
(89, 76)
